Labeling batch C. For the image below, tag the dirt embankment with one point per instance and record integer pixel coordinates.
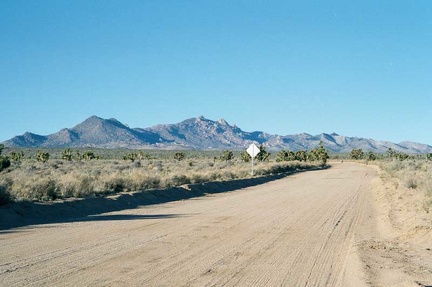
(67, 210)
(396, 244)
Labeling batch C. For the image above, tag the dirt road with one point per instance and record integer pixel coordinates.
(296, 231)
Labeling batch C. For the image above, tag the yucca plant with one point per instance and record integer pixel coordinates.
(227, 155)
(67, 154)
(179, 156)
(16, 156)
(42, 156)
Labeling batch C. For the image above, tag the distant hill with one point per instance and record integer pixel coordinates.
(198, 133)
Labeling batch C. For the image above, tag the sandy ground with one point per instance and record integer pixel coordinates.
(318, 228)
(395, 245)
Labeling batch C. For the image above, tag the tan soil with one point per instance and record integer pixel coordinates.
(397, 251)
(319, 228)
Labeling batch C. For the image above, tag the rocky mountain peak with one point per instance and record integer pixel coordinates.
(198, 133)
(223, 122)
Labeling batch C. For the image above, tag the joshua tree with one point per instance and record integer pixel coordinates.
(17, 156)
(357, 154)
(42, 156)
(371, 156)
(282, 156)
(78, 156)
(245, 156)
(89, 155)
(263, 155)
(67, 154)
(132, 156)
(320, 153)
(179, 156)
(227, 155)
(285, 155)
(4, 160)
(140, 155)
(401, 156)
(390, 152)
(301, 155)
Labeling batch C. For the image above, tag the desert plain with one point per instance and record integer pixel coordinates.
(341, 226)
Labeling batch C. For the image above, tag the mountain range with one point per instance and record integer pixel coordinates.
(198, 133)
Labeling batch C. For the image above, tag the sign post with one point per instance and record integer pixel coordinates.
(253, 151)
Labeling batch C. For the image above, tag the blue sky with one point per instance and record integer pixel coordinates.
(357, 68)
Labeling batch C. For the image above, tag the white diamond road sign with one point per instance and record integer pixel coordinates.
(253, 150)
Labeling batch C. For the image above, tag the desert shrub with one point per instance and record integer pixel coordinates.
(280, 168)
(4, 162)
(64, 178)
(391, 167)
(137, 164)
(411, 182)
(116, 184)
(5, 195)
(227, 175)
(68, 189)
(411, 174)
(148, 182)
(85, 186)
(43, 189)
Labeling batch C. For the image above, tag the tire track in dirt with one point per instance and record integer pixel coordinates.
(295, 231)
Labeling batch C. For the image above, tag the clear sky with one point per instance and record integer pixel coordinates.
(357, 68)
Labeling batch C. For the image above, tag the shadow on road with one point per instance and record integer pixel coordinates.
(115, 217)
(84, 209)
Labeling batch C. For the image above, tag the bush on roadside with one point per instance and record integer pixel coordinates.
(411, 174)
(45, 189)
(4, 160)
(33, 180)
(5, 195)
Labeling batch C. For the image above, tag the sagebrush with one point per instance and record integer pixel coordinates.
(33, 179)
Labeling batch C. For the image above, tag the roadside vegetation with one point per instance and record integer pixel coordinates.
(48, 174)
(43, 175)
(412, 173)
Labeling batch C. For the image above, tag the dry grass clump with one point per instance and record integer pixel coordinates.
(414, 175)
(32, 180)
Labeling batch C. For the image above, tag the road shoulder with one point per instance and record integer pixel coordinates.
(394, 241)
